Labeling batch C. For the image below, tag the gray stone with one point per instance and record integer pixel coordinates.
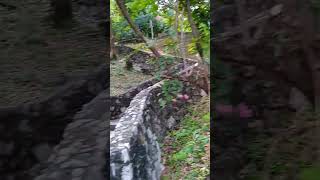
(74, 163)
(61, 159)
(275, 10)
(42, 152)
(140, 125)
(171, 122)
(42, 177)
(77, 172)
(6, 148)
(122, 109)
(57, 175)
(298, 100)
(58, 107)
(24, 126)
(66, 150)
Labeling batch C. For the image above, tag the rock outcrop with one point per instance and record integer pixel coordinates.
(30, 131)
(81, 153)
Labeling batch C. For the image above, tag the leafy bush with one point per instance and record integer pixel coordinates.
(143, 22)
(170, 89)
(189, 144)
(122, 30)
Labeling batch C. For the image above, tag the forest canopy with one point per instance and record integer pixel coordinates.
(168, 18)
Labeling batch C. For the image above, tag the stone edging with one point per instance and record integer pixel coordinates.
(134, 147)
(130, 133)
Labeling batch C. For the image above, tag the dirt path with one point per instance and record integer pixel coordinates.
(122, 80)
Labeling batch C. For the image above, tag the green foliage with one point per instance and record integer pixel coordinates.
(122, 30)
(205, 39)
(189, 144)
(120, 27)
(311, 173)
(170, 89)
(170, 45)
(163, 62)
(141, 11)
(257, 151)
(278, 168)
(143, 22)
(191, 48)
(145, 6)
(201, 11)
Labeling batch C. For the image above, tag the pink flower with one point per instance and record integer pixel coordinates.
(180, 96)
(158, 18)
(186, 97)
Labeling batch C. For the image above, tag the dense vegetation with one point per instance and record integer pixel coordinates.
(187, 149)
(170, 31)
(168, 18)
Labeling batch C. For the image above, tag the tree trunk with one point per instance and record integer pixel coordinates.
(126, 15)
(195, 32)
(176, 24)
(113, 51)
(62, 10)
(182, 39)
(176, 17)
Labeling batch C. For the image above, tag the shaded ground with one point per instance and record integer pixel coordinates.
(289, 152)
(36, 58)
(274, 144)
(122, 80)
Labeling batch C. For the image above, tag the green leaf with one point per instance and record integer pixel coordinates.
(180, 156)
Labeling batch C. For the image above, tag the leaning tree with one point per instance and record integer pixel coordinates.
(124, 11)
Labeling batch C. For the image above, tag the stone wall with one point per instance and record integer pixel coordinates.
(29, 131)
(81, 153)
(139, 59)
(118, 104)
(134, 147)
